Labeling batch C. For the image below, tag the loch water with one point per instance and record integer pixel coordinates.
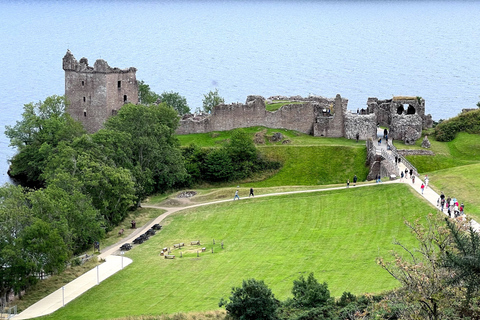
(358, 49)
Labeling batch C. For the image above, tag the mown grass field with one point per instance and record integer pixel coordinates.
(335, 234)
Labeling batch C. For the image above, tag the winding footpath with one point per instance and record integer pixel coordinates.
(114, 260)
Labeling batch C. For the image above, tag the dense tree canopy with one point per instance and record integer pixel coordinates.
(43, 126)
(40, 230)
(155, 158)
(252, 301)
(176, 101)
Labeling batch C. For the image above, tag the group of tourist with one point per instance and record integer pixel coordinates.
(454, 209)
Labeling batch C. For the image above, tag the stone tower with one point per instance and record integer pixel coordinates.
(94, 94)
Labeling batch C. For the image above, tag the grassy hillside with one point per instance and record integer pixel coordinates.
(306, 160)
(463, 150)
(335, 234)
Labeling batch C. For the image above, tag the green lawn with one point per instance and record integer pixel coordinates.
(462, 183)
(454, 169)
(216, 138)
(463, 150)
(313, 165)
(335, 234)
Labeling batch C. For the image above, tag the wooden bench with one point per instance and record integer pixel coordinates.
(195, 242)
(169, 256)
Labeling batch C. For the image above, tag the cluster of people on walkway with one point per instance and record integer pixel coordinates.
(454, 209)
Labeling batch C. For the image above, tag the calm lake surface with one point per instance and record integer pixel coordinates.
(358, 49)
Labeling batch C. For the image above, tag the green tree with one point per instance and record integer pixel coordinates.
(211, 100)
(308, 293)
(218, 166)
(14, 218)
(43, 126)
(145, 94)
(176, 101)
(253, 301)
(464, 261)
(156, 162)
(110, 187)
(47, 252)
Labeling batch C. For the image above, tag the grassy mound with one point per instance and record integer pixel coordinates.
(335, 234)
(306, 160)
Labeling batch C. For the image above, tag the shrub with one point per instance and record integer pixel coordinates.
(253, 301)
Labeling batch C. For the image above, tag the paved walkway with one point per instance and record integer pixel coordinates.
(115, 263)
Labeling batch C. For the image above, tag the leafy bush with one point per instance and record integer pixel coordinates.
(253, 301)
(468, 122)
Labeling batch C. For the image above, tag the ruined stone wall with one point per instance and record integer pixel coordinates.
(334, 124)
(407, 128)
(309, 117)
(364, 125)
(96, 93)
(298, 117)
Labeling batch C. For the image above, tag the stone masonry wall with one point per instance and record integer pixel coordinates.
(98, 92)
(364, 125)
(300, 117)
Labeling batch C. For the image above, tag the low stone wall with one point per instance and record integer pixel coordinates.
(405, 152)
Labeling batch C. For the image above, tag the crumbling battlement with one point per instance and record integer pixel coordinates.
(98, 92)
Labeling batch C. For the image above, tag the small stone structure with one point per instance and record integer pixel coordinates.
(96, 93)
(426, 143)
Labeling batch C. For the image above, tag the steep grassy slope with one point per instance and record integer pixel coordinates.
(335, 234)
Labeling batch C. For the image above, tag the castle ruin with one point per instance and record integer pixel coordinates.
(318, 116)
(96, 93)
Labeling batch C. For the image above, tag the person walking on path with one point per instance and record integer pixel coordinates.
(422, 187)
(426, 181)
(413, 178)
(406, 173)
(348, 183)
(236, 196)
(251, 193)
(401, 176)
(354, 180)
